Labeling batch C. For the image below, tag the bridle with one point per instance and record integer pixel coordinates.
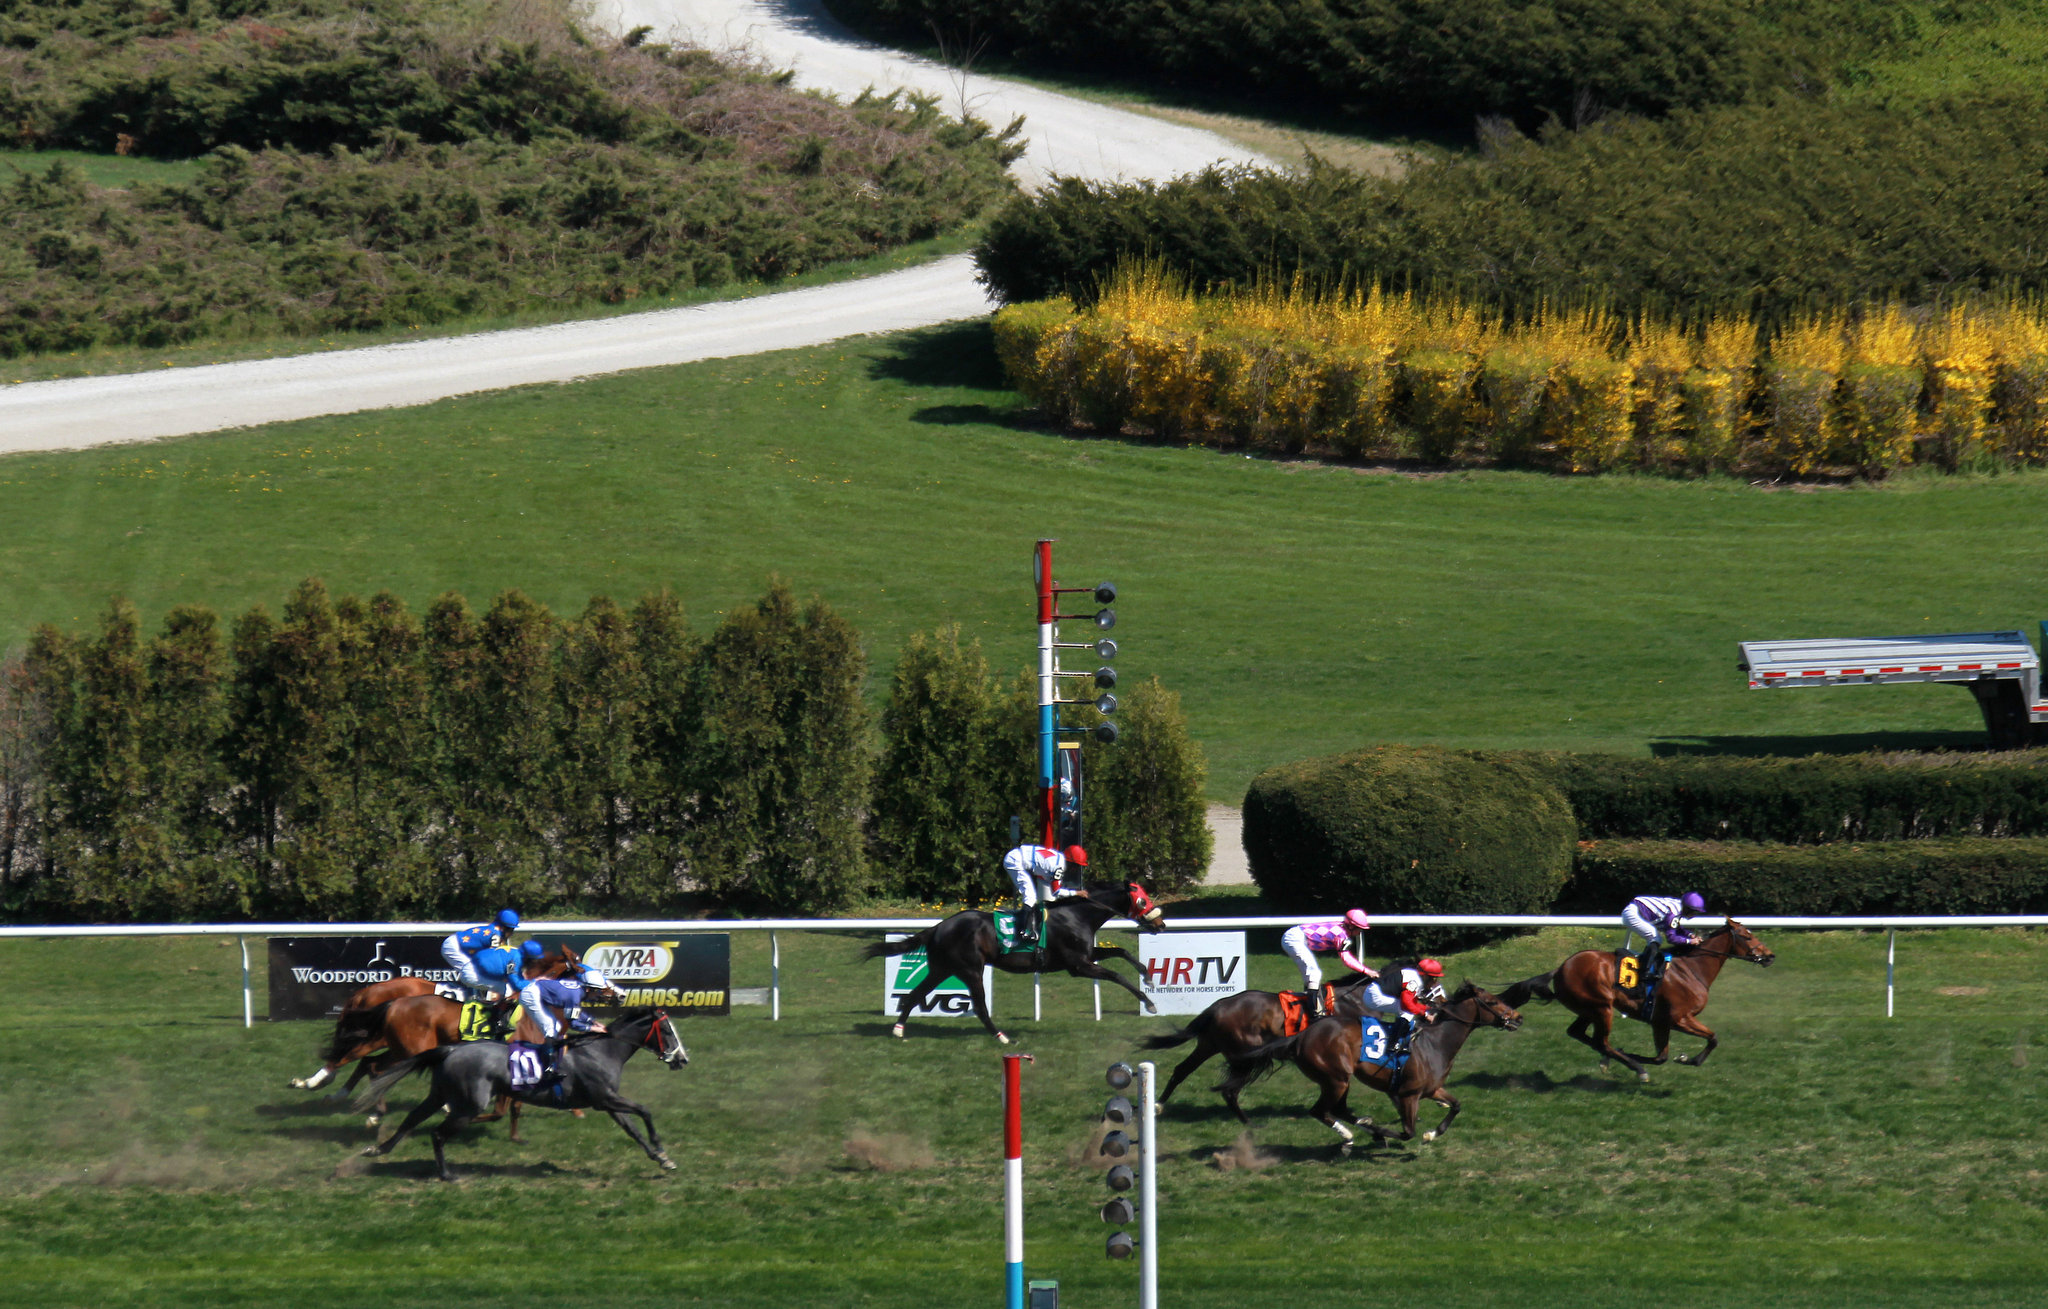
(660, 1033)
(1727, 950)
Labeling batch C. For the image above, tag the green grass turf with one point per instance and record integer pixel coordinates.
(1300, 609)
(117, 171)
(150, 1153)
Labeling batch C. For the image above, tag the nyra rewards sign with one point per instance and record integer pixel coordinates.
(691, 973)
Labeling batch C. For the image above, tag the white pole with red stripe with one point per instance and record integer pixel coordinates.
(1013, 1180)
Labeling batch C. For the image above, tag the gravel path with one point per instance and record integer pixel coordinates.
(1068, 136)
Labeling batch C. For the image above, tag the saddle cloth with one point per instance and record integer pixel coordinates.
(1294, 1009)
(1006, 932)
(1376, 1047)
(524, 1065)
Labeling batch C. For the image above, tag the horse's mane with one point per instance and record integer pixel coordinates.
(1352, 982)
(1466, 991)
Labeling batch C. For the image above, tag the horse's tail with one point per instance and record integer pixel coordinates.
(1517, 995)
(882, 949)
(1167, 1040)
(352, 1028)
(1254, 1064)
(383, 1082)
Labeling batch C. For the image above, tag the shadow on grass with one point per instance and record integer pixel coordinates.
(951, 354)
(1838, 743)
(928, 1028)
(310, 1107)
(424, 1168)
(351, 1132)
(1544, 1084)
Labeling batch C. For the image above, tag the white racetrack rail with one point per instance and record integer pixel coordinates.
(1067, 136)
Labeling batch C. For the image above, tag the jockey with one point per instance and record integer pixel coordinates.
(1657, 919)
(1421, 986)
(1330, 934)
(1033, 866)
(461, 948)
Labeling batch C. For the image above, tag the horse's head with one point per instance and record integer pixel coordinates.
(1488, 1009)
(662, 1039)
(1742, 944)
(1142, 909)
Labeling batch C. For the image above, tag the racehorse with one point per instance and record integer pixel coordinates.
(1327, 1053)
(1586, 984)
(1238, 1024)
(347, 1044)
(469, 1077)
(964, 944)
(417, 1023)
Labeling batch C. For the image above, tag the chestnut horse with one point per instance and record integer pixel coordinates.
(1238, 1024)
(1327, 1053)
(1586, 985)
(351, 1042)
(961, 946)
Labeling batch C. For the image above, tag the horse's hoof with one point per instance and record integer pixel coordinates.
(668, 1164)
(298, 1084)
(1642, 1077)
(372, 1121)
(373, 1151)
(897, 1031)
(1429, 1136)
(1003, 1037)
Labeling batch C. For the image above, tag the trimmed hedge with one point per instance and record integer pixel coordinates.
(1647, 215)
(1963, 876)
(1807, 801)
(1401, 829)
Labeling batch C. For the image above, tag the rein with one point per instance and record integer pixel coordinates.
(1727, 952)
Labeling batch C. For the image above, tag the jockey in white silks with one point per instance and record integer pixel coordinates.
(1032, 867)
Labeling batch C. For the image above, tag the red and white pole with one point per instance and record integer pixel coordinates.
(1013, 1179)
(1048, 692)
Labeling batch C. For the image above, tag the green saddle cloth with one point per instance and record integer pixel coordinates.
(1006, 932)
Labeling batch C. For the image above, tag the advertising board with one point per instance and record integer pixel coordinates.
(1186, 972)
(310, 977)
(903, 973)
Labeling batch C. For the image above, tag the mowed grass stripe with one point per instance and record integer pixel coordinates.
(1301, 609)
(1827, 1156)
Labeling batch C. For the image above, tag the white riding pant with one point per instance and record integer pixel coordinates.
(465, 970)
(1029, 892)
(529, 1000)
(1652, 934)
(1379, 1003)
(1294, 941)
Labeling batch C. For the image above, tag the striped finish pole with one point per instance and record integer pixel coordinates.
(1013, 1181)
(1048, 689)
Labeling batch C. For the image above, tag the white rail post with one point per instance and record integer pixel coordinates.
(1891, 959)
(1148, 1191)
(248, 1001)
(1037, 1011)
(774, 978)
(1098, 1001)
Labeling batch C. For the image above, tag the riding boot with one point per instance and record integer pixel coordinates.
(1027, 926)
(1312, 1001)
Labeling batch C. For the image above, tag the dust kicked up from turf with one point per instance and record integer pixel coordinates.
(888, 1152)
(1242, 1156)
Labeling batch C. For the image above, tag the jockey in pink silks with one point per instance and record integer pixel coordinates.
(1328, 936)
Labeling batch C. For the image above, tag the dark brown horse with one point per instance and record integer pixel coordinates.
(1238, 1024)
(352, 1041)
(1328, 1054)
(1587, 985)
(961, 946)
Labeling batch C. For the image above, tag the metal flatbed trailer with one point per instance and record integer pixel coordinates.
(1999, 668)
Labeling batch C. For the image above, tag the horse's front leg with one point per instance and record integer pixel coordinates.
(975, 993)
(623, 1111)
(1099, 973)
(1201, 1054)
(1692, 1026)
(450, 1125)
(1103, 952)
(1450, 1102)
(1405, 1103)
(422, 1111)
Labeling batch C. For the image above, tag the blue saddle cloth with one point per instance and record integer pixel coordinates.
(1376, 1048)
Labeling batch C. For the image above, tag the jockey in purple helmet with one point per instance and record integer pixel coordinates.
(1328, 936)
(1658, 919)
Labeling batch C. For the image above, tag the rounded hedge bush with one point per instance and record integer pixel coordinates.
(1409, 829)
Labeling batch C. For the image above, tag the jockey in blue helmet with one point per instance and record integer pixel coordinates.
(461, 949)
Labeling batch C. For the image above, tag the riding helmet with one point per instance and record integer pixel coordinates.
(1077, 856)
(1695, 902)
(532, 949)
(1429, 968)
(1356, 917)
(508, 919)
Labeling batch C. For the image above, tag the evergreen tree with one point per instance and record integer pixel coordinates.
(779, 762)
(454, 755)
(99, 844)
(382, 805)
(941, 806)
(602, 706)
(519, 761)
(665, 810)
(1146, 814)
(302, 732)
(194, 870)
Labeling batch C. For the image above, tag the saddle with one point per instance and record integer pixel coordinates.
(1294, 1009)
(1006, 934)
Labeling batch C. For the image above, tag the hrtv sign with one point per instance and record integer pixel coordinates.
(1186, 972)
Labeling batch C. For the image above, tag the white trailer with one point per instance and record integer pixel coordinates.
(1999, 668)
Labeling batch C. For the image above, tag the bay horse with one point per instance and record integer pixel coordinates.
(1586, 984)
(961, 946)
(1238, 1024)
(1327, 1053)
(352, 1040)
(470, 1076)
